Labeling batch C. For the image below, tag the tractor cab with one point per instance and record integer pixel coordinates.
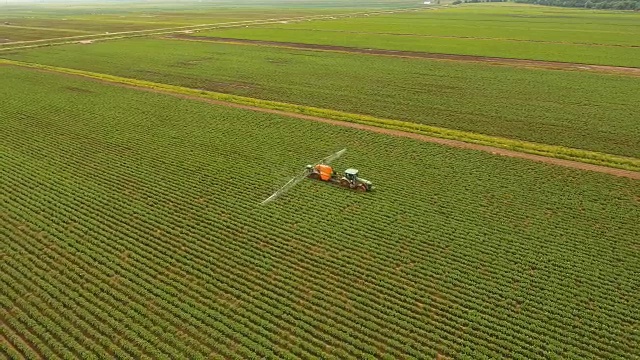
(351, 175)
(352, 180)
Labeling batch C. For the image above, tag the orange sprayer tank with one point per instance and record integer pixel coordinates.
(325, 171)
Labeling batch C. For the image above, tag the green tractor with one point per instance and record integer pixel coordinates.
(349, 180)
(352, 181)
(322, 171)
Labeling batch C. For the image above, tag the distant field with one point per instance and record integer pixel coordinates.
(575, 109)
(497, 21)
(59, 20)
(130, 219)
(133, 22)
(512, 31)
(131, 229)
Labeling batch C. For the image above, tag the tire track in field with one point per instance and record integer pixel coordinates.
(398, 133)
(521, 63)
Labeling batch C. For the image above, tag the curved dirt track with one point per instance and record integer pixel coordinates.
(537, 64)
(447, 142)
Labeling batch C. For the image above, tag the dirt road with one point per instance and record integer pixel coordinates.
(538, 64)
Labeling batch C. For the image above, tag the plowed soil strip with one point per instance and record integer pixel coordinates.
(538, 64)
(447, 142)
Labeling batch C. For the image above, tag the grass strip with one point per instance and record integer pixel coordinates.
(560, 152)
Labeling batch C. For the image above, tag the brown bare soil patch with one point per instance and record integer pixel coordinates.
(447, 142)
(537, 64)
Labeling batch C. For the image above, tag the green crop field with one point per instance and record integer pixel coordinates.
(498, 21)
(133, 170)
(135, 216)
(511, 31)
(52, 20)
(576, 109)
(100, 23)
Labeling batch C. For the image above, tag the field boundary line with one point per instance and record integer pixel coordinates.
(513, 62)
(552, 154)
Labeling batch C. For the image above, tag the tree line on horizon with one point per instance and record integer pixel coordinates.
(588, 4)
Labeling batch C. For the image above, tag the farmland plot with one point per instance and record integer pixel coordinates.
(131, 228)
(579, 110)
(524, 32)
(496, 21)
(57, 20)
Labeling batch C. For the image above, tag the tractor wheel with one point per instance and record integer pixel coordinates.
(345, 183)
(361, 188)
(314, 175)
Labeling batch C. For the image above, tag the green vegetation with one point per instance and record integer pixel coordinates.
(573, 53)
(500, 22)
(501, 30)
(131, 228)
(52, 20)
(573, 109)
(538, 149)
(130, 217)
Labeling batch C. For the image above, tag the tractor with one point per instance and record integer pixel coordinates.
(323, 172)
(350, 179)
